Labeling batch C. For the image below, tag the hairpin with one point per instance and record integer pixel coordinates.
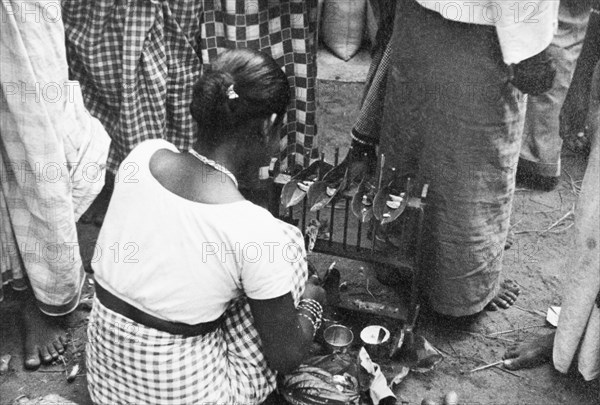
(231, 94)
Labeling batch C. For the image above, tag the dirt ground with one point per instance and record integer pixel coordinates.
(536, 262)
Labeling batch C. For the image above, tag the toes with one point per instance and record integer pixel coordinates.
(32, 360)
(45, 355)
(63, 340)
(492, 306)
(501, 302)
(59, 347)
(52, 352)
(510, 285)
(510, 297)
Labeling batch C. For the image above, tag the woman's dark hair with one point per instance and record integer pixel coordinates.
(260, 90)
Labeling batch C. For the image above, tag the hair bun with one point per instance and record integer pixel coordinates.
(239, 86)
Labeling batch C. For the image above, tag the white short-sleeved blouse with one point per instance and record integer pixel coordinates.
(184, 261)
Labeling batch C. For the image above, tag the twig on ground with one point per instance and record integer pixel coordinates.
(546, 212)
(451, 347)
(574, 187)
(564, 217)
(483, 336)
(554, 225)
(541, 203)
(563, 229)
(369, 291)
(528, 231)
(515, 330)
(485, 366)
(478, 360)
(510, 372)
(516, 223)
(531, 311)
(561, 200)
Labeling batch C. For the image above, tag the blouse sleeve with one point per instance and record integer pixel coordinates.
(274, 262)
(525, 28)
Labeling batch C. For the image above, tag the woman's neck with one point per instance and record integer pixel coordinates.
(223, 155)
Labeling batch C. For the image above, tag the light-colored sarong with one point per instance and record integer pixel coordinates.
(578, 333)
(52, 156)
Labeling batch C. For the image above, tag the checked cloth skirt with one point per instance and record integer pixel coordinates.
(129, 363)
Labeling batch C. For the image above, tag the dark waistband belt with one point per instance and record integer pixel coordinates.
(121, 307)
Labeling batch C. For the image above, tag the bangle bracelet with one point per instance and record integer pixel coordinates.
(312, 303)
(316, 317)
(310, 310)
(316, 309)
(361, 141)
(311, 322)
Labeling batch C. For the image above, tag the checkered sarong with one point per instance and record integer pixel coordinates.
(137, 60)
(129, 363)
(368, 123)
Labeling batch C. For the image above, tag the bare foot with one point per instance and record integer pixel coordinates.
(531, 354)
(509, 291)
(44, 336)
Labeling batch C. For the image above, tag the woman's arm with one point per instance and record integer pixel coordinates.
(286, 332)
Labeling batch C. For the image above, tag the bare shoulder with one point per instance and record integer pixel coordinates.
(162, 163)
(167, 168)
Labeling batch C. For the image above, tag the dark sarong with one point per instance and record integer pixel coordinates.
(452, 118)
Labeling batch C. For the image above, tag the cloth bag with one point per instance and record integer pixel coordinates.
(343, 26)
(331, 379)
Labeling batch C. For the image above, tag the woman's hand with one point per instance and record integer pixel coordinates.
(535, 75)
(314, 291)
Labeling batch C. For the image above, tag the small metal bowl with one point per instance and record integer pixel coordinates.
(376, 340)
(338, 338)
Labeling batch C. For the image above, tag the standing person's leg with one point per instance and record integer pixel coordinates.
(136, 62)
(368, 124)
(539, 163)
(452, 119)
(52, 156)
(578, 332)
(575, 109)
(142, 90)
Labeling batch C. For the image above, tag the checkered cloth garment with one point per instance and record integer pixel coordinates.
(129, 363)
(137, 61)
(368, 124)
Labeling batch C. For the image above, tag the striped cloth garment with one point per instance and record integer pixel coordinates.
(52, 157)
